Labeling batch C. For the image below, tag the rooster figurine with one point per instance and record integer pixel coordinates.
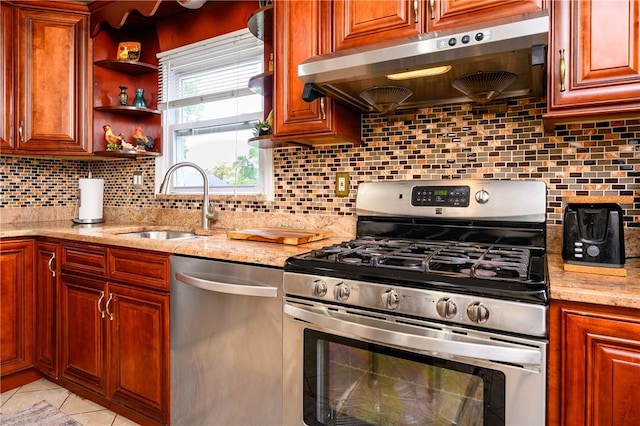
(113, 141)
(141, 140)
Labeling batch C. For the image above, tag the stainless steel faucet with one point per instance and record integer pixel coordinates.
(207, 208)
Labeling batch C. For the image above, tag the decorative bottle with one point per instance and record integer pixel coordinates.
(123, 98)
(138, 101)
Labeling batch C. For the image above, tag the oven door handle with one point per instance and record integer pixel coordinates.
(322, 317)
(227, 288)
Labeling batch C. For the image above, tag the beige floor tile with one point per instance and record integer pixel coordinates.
(78, 405)
(23, 400)
(123, 421)
(97, 418)
(4, 397)
(38, 385)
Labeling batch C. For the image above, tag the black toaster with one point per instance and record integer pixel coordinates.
(593, 235)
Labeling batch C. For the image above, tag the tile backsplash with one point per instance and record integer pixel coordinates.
(501, 140)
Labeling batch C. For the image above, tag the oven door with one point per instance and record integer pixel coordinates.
(354, 367)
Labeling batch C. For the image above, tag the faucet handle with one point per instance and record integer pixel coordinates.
(211, 210)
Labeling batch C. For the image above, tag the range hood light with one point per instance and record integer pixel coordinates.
(425, 72)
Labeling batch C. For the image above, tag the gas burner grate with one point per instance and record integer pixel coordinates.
(485, 261)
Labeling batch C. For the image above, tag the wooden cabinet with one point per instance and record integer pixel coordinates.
(300, 33)
(115, 326)
(46, 108)
(6, 77)
(359, 23)
(456, 13)
(594, 60)
(594, 366)
(16, 315)
(46, 274)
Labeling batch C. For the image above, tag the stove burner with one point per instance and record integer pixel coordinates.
(484, 261)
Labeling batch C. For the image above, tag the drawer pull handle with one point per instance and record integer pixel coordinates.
(100, 303)
(563, 70)
(107, 307)
(49, 265)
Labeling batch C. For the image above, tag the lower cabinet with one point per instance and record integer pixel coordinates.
(16, 315)
(594, 366)
(115, 336)
(46, 298)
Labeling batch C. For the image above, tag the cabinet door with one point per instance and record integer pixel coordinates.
(594, 58)
(52, 81)
(600, 366)
(301, 32)
(46, 260)
(83, 327)
(139, 342)
(16, 315)
(357, 22)
(6, 76)
(455, 13)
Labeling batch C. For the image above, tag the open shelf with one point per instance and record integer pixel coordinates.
(262, 84)
(127, 67)
(126, 154)
(260, 24)
(127, 110)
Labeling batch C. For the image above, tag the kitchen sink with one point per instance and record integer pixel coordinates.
(161, 235)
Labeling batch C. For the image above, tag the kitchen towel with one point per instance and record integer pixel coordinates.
(90, 198)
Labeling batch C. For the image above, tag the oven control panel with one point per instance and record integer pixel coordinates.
(440, 196)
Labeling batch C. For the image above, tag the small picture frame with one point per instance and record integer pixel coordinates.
(128, 51)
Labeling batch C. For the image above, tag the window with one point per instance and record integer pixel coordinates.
(209, 115)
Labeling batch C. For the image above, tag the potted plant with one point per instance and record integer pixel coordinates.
(261, 128)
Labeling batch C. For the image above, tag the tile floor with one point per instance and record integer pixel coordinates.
(86, 412)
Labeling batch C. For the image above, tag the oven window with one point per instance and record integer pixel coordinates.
(349, 382)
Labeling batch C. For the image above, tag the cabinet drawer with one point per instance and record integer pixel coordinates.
(84, 258)
(139, 267)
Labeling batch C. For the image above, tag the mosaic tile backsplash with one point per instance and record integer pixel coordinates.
(501, 140)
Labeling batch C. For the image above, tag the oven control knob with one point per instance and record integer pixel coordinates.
(341, 292)
(482, 196)
(319, 288)
(446, 308)
(390, 299)
(478, 312)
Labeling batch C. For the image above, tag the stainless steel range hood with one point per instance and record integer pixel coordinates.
(516, 45)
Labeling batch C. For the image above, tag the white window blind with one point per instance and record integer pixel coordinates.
(201, 72)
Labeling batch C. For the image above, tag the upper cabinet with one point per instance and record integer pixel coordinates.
(456, 13)
(594, 60)
(46, 78)
(6, 77)
(358, 23)
(301, 32)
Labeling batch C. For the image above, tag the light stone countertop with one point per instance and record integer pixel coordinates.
(571, 286)
(212, 243)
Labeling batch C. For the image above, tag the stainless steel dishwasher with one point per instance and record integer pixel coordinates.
(226, 343)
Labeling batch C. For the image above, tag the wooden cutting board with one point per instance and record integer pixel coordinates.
(279, 235)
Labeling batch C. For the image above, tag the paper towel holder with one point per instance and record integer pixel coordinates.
(76, 213)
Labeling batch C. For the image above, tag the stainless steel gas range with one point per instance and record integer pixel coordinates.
(435, 314)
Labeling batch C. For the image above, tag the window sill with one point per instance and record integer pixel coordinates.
(213, 197)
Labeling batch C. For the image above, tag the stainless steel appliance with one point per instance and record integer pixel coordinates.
(226, 343)
(593, 234)
(516, 45)
(435, 314)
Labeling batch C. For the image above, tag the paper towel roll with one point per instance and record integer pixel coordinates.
(90, 195)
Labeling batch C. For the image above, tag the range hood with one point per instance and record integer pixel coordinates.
(514, 47)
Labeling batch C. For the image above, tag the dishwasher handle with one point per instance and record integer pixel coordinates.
(227, 288)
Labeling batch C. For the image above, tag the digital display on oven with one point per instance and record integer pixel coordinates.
(441, 196)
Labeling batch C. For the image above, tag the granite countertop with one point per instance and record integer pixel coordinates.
(571, 286)
(212, 243)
